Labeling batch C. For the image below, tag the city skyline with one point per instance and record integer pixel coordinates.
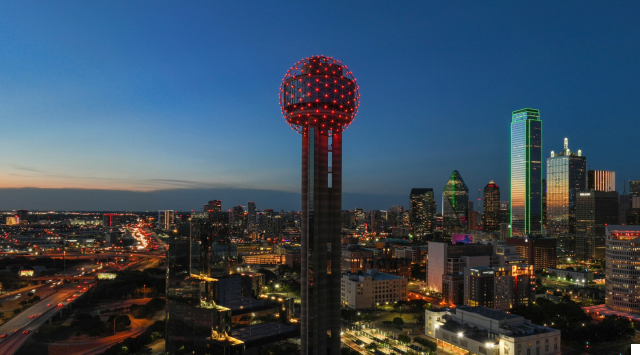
(152, 120)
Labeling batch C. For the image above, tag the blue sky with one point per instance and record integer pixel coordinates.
(158, 95)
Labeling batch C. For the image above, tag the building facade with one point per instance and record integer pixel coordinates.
(445, 259)
(499, 287)
(491, 206)
(422, 209)
(453, 289)
(526, 172)
(455, 204)
(566, 177)
(622, 283)
(601, 180)
(480, 330)
(595, 210)
(370, 289)
(539, 252)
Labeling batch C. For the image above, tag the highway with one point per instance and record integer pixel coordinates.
(14, 330)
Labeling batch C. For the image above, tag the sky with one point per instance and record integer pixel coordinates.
(156, 96)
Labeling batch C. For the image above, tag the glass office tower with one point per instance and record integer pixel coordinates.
(422, 207)
(491, 207)
(565, 178)
(526, 172)
(455, 204)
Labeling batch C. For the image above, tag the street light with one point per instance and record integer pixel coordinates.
(460, 335)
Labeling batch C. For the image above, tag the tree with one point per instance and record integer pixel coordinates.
(419, 318)
(426, 343)
(404, 339)
(16, 311)
(268, 275)
(398, 322)
(23, 303)
(36, 299)
(122, 321)
(371, 347)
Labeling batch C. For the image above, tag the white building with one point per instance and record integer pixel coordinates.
(581, 277)
(483, 331)
(372, 288)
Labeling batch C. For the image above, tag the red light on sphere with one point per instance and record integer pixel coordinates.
(335, 92)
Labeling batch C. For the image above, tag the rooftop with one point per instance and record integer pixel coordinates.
(486, 312)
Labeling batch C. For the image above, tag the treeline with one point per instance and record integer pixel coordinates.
(574, 323)
(127, 284)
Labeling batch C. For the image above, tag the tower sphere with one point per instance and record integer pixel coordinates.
(319, 91)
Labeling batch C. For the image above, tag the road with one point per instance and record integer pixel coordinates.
(98, 346)
(15, 327)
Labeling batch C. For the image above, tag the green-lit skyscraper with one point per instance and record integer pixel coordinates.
(526, 172)
(455, 204)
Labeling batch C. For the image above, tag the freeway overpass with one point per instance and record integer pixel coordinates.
(18, 329)
(98, 257)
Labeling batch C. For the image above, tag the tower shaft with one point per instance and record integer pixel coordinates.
(320, 236)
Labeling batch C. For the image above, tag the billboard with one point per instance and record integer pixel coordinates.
(106, 276)
(462, 238)
(25, 273)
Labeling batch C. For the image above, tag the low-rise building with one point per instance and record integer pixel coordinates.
(583, 277)
(372, 288)
(480, 330)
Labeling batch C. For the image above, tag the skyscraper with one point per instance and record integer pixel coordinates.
(565, 178)
(422, 207)
(595, 210)
(319, 98)
(601, 180)
(491, 207)
(455, 204)
(213, 206)
(526, 172)
(622, 255)
(165, 219)
(634, 187)
(251, 213)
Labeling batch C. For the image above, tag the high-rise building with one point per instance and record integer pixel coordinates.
(453, 289)
(251, 213)
(213, 206)
(589, 247)
(634, 187)
(565, 178)
(601, 180)
(526, 172)
(445, 259)
(455, 204)
(165, 219)
(537, 251)
(544, 203)
(319, 98)
(621, 276)
(499, 287)
(422, 209)
(595, 210)
(624, 204)
(491, 207)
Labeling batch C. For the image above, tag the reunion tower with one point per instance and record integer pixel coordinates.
(319, 99)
